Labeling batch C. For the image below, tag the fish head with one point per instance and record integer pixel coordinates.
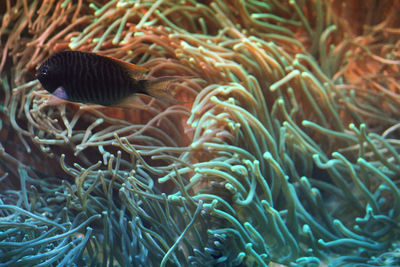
(49, 76)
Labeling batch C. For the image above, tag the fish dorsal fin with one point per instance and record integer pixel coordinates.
(134, 71)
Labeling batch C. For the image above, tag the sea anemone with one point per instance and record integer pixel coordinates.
(284, 151)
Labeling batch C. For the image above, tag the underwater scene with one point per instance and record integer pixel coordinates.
(199, 133)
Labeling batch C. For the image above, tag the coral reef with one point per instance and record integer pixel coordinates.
(286, 150)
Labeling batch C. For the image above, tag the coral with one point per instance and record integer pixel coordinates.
(285, 151)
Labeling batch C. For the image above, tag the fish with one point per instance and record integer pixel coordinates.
(85, 77)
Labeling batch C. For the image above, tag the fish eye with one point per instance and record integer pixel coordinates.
(44, 71)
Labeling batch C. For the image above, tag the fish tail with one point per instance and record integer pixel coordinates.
(158, 88)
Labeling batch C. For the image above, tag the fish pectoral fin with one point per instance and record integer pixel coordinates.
(133, 101)
(59, 96)
(60, 93)
(134, 71)
(54, 101)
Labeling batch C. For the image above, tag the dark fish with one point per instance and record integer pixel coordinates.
(90, 78)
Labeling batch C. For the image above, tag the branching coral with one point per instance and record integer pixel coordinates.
(286, 152)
